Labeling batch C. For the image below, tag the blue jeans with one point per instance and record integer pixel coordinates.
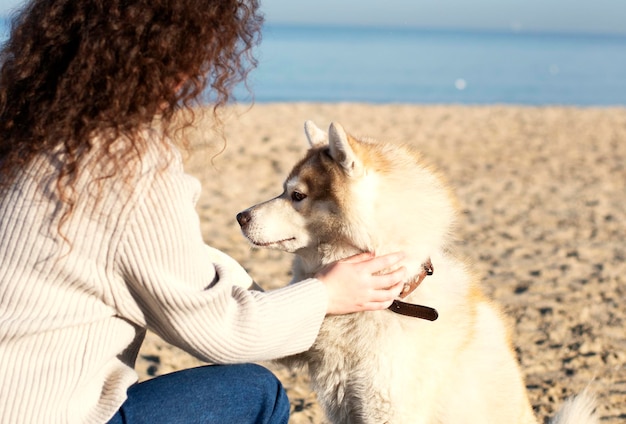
(220, 394)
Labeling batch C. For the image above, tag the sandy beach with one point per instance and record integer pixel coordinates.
(542, 192)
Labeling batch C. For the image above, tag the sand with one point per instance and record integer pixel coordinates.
(543, 219)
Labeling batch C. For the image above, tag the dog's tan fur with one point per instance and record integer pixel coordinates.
(352, 195)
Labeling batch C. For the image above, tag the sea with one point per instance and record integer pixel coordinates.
(399, 65)
(395, 65)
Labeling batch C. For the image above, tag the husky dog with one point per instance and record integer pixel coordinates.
(349, 196)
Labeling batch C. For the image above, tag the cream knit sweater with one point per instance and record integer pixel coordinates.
(72, 320)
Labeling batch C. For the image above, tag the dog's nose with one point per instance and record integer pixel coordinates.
(243, 218)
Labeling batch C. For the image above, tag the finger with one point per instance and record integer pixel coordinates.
(385, 296)
(378, 305)
(380, 263)
(382, 299)
(397, 289)
(360, 257)
(391, 280)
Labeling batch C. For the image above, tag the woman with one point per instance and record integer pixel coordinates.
(99, 239)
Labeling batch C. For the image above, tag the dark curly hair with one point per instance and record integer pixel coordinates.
(74, 69)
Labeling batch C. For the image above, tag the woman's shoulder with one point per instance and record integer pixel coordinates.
(124, 164)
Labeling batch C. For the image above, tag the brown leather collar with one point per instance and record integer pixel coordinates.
(410, 309)
(427, 269)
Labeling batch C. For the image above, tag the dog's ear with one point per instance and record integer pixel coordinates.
(341, 151)
(316, 136)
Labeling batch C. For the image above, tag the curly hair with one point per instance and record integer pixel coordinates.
(72, 70)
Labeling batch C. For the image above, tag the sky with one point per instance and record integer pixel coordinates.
(597, 16)
(586, 16)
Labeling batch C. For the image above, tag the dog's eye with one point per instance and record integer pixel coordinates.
(296, 196)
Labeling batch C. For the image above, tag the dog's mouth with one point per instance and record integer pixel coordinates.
(272, 243)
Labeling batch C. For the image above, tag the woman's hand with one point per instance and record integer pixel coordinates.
(356, 284)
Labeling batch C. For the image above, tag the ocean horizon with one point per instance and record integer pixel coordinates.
(401, 65)
(298, 63)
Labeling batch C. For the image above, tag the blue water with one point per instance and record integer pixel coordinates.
(419, 66)
(333, 64)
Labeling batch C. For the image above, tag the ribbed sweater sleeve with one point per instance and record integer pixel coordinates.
(191, 294)
(75, 305)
